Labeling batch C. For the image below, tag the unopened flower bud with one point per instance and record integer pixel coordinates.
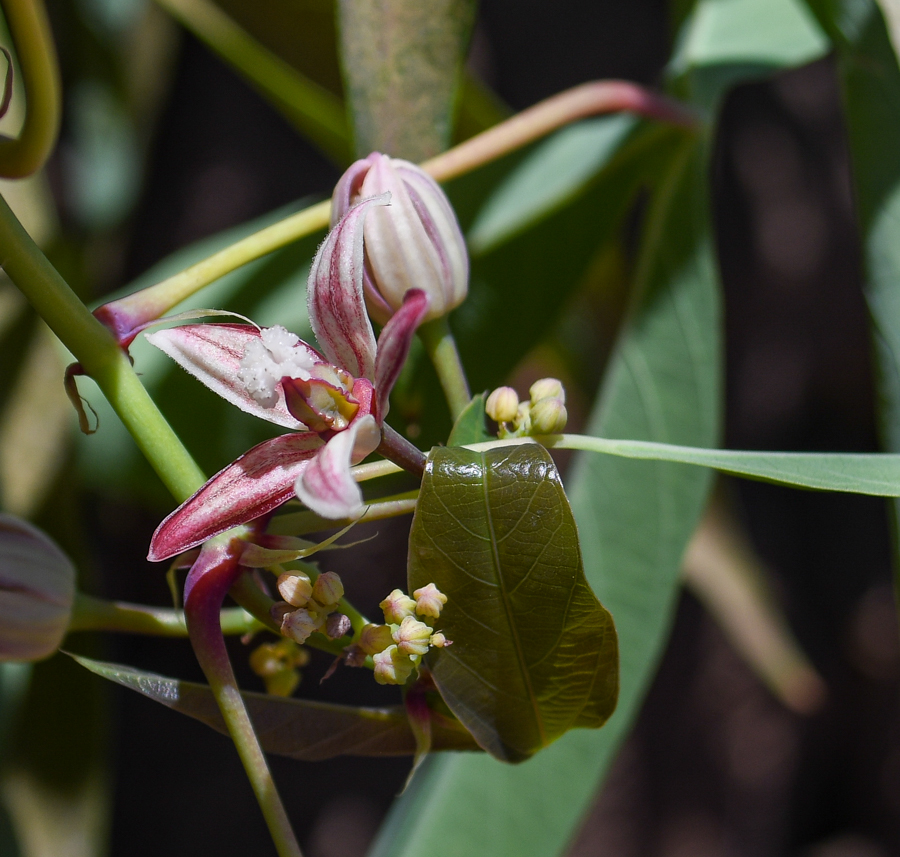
(412, 637)
(375, 638)
(282, 683)
(414, 242)
(337, 625)
(266, 660)
(548, 416)
(397, 606)
(328, 589)
(295, 588)
(547, 388)
(502, 405)
(37, 588)
(392, 666)
(429, 601)
(439, 641)
(299, 624)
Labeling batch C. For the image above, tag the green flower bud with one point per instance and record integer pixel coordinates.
(548, 416)
(412, 636)
(397, 606)
(429, 601)
(282, 683)
(375, 638)
(392, 666)
(295, 588)
(328, 589)
(439, 641)
(502, 405)
(547, 388)
(37, 589)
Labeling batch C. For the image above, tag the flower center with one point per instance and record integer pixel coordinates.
(270, 358)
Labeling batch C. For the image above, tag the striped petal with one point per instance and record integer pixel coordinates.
(212, 353)
(327, 485)
(393, 345)
(337, 310)
(253, 485)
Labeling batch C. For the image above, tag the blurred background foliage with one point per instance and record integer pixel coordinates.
(171, 149)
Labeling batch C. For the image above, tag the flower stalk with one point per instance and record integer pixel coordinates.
(441, 348)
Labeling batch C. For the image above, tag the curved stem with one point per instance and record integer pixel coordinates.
(211, 576)
(30, 31)
(588, 99)
(97, 614)
(441, 348)
(398, 449)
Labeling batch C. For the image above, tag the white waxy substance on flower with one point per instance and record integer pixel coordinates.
(269, 359)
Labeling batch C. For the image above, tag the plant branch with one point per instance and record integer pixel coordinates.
(30, 31)
(441, 348)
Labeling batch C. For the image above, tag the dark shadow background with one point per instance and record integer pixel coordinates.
(716, 766)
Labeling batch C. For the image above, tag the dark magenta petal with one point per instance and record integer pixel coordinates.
(393, 345)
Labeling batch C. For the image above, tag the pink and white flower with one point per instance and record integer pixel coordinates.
(334, 402)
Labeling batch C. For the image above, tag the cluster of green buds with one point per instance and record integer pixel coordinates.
(397, 647)
(310, 607)
(544, 413)
(278, 665)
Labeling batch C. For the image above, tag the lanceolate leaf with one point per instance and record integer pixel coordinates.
(298, 728)
(870, 76)
(534, 652)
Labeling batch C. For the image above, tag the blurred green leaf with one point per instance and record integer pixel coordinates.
(870, 77)
(534, 652)
(297, 728)
(402, 62)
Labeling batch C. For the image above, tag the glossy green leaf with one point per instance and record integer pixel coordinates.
(471, 426)
(401, 62)
(534, 652)
(297, 728)
(870, 77)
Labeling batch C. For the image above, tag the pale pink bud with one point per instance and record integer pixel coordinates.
(397, 606)
(502, 405)
(439, 641)
(328, 589)
(392, 666)
(299, 624)
(429, 601)
(412, 637)
(414, 242)
(37, 589)
(375, 638)
(548, 416)
(295, 588)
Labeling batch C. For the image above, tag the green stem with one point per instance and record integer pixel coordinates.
(303, 523)
(99, 355)
(97, 614)
(441, 348)
(30, 31)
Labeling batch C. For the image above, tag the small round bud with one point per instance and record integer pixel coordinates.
(392, 666)
(547, 388)
(295, 588)
(337, 625)
(412, 637)
(439, 641)
(375, 638)
(328, 589)
(37, 590)
(397, 606)
(548, 416)
(282, 683)
(502, 405)
(266, 660)
(299, 624)
(429, 601)
(413, 243)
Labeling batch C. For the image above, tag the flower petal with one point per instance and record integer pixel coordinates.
(253, 485)
(337, 310)
(393, 345)
(212, 353)
(327, 485)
